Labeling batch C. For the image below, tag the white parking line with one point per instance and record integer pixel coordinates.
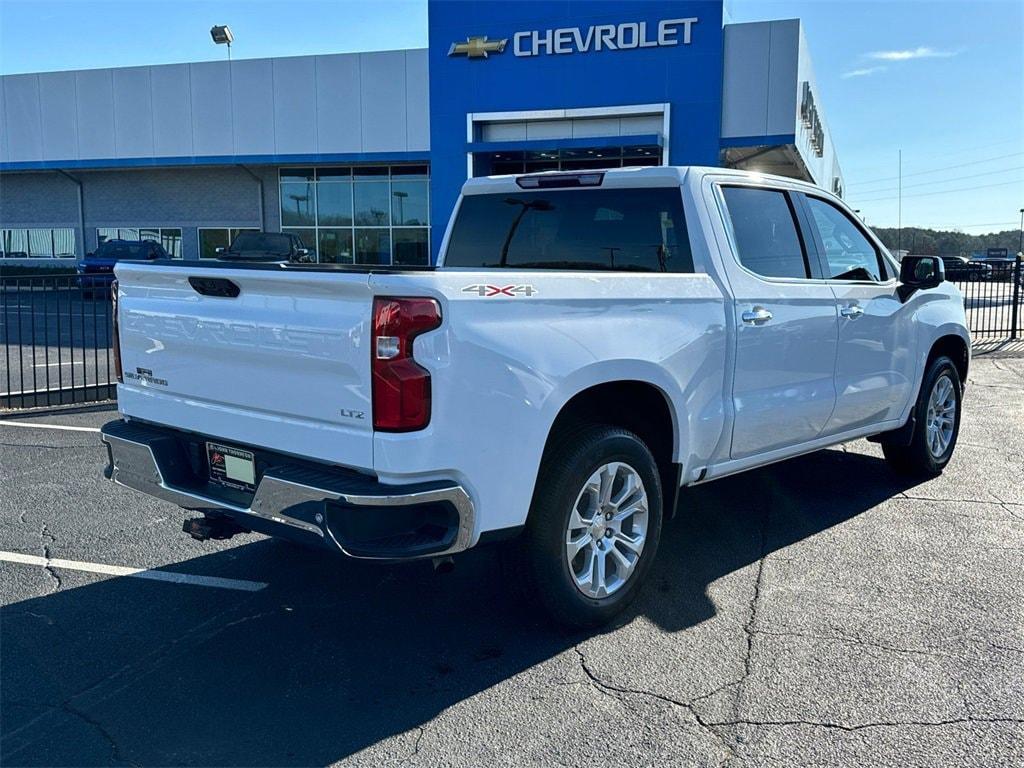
(28, 425)
(138, 573)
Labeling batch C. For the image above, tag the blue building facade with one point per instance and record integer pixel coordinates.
(363, 155)
(562, 75)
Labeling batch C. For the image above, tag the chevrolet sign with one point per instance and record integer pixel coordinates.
(607, 37)
(599, 37)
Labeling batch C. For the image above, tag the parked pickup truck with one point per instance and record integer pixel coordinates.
(588, 344)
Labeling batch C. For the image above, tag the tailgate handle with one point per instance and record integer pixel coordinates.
(214, 286)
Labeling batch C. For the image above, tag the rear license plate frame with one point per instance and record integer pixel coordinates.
(231, 467)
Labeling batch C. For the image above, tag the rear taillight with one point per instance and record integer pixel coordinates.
(117, 333)
(401, 388)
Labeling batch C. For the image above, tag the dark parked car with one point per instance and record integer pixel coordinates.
(960, 268)
(1002, 267)
(96, 272)
(265, 246)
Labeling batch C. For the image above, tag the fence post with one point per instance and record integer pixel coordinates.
(1015, 311)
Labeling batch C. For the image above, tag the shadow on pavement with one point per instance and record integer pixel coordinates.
(335, 656)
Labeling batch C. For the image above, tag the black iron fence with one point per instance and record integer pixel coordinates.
(992, 297)
(56, 339)
(56, 331)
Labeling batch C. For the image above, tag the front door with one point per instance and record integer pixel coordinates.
(787, 325)
(877, 348)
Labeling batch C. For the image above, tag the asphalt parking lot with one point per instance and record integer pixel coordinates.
(819, 612)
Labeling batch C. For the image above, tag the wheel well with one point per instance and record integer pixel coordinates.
(637, 406)
(955, 349)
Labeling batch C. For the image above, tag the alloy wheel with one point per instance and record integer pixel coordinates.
(941, 416)
(607, 530)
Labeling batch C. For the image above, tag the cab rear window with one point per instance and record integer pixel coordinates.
(633, 230)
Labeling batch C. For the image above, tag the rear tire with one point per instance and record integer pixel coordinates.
(594, 526)
(937, 423)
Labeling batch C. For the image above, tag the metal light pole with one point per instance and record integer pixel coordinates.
(1020, 243)
(899, 205)
(1017, 279)
(401, 205)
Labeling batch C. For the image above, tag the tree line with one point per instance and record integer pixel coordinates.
(944, 243)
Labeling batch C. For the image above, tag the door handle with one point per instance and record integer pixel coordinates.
(853, 311)
(756, 316)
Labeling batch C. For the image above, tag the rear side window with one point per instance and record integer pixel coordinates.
(638, 230)
(765, 232)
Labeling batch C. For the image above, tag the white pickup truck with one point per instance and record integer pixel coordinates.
(588, 344)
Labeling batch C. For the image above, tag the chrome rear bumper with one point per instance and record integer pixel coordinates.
(294, 499)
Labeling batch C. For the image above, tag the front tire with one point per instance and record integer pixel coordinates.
(594, 525)
(937, 423)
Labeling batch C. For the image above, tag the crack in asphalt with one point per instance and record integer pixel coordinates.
(122, 678)
(115, 750)
(838, 638)
(905, 495)
(47, 445)
(49, 539)
(1006, 507)
(408, 759)
(611, 690)
(748, 627)
(993, 386)
(862, 726)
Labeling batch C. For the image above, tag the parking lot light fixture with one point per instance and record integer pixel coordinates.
(221, 34)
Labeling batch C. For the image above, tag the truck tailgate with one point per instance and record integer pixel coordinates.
(285, 364)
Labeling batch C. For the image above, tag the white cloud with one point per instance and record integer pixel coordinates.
(862, 72)
(921, 52)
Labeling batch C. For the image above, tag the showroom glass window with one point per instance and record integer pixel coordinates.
(168, 237)
(369, 214)
(44, 243)
(212, 238)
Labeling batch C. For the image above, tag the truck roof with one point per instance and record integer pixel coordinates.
(642, 176)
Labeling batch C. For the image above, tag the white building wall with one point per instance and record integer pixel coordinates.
(336, 104)
(766, 64)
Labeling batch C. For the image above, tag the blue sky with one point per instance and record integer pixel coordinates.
(943, 81)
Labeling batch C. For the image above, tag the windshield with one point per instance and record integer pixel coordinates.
(122, 249)
(262, 242)
(592, 229)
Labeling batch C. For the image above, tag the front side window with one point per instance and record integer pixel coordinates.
(848, 252)
(640, 230)
(765, 232)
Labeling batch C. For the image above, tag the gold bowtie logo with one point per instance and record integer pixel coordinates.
(477, 47)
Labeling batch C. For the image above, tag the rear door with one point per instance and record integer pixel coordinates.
(877, 351)
(787, 328)
(284, 364)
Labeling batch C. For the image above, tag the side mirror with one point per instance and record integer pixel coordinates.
(89, 255)
(918, 273)
(219, 250)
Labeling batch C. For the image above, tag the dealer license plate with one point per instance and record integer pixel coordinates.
(232, 467)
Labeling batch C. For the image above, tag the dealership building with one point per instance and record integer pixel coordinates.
(363, 154)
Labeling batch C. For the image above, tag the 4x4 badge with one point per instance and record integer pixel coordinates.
(500, 290)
